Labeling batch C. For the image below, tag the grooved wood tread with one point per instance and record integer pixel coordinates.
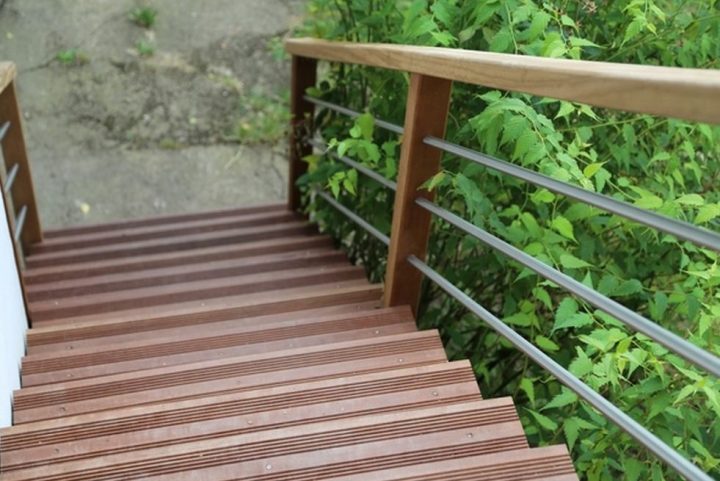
(238, 344)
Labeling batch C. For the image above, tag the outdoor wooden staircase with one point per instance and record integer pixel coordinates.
(239, 344)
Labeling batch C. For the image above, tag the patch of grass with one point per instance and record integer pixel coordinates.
(145, 48)
(276, 47)
(71, 56)
(263, 119)
(144, 17)
(167, 143)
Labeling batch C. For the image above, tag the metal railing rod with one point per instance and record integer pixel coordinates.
(12, 175)
(680, 229)
(673, 342)
(20, 223)
(354, 217)
(351, 163)
(671, 457)
(4, 129)
(353, 113)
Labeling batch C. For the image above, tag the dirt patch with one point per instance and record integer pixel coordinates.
(117, 135)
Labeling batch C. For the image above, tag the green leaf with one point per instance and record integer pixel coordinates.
(546, 344)
(707, 213)
(563, 226)
(690, 199)
(582, 364)
(569, 261)
(592, 169)
(544, 421)
(366, 124)
(526, 385)
(567, 21)
(542, 196)
(566, 108)
(571, 431)
(565, 397)
(635, 27)
(435, 180)
(627, 288)
(582, 42)
(649, 201)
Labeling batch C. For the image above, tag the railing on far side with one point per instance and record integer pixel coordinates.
(17, 186)
(690, 94)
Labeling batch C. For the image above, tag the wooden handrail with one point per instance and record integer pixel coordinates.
(7, 74)
(691, 94)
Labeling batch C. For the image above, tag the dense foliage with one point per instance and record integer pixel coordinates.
(665, 165)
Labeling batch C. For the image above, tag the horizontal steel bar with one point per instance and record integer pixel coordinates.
(680, 229)
(355, 218)
(4, 130)
(612, 412)
(12, 175)
(353, 113)
(20, 223)
(675, 343)
(359, 167)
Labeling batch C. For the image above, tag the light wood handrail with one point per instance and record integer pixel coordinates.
(691, 94)
(7, 74)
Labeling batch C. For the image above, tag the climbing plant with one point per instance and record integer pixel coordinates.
(665, 165)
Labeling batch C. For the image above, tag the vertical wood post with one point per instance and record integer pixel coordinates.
(14, 152)
(425, 115)
(304, 73)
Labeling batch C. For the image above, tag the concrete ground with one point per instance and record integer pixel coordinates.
(121, 136)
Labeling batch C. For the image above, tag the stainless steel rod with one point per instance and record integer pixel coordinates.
(4, 130)
(355, 218)
(675, 343)
(353, 113)
(351, 163)
(12, 175)
(671, 457)
(20, 223)
(680, 229)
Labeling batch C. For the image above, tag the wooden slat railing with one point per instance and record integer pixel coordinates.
(20, 196)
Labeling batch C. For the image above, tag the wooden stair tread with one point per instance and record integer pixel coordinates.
(218, 416)
(158, 352)
(80, 270)
(207, 311)
(239, 343)
(203, 289)
(458, 425)
(161, 220)
(175, 243)
(182, 273)
(162, 231)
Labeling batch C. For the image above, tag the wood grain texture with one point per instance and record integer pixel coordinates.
(426, 114)
(304, 74)
(161, 220)
(15, 152)
(159, 355)
(7, 74)
(691, 94)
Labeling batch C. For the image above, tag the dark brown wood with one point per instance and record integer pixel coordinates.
(426, 115)
(304, 73)
(176, 360)
(160, 220)
(14, 152)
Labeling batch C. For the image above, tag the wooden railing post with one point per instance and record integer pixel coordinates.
(304, 73)
(14, 152)
(425, 115)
